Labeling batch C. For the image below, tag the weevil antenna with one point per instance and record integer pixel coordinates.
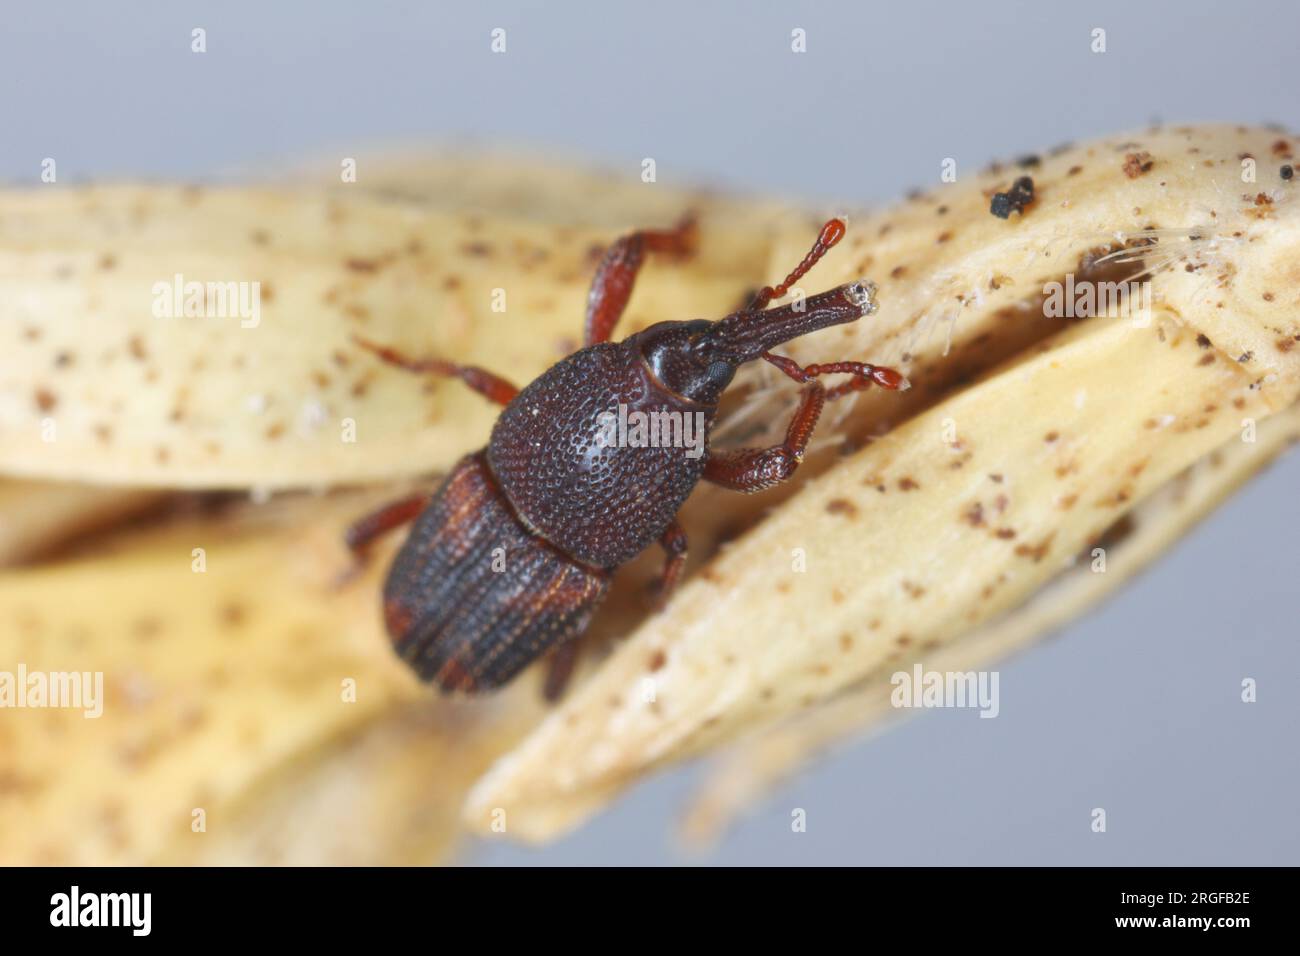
(832, 232)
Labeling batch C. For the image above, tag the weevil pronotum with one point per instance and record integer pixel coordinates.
(511, 556)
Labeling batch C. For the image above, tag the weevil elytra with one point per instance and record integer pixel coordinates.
(511, 556)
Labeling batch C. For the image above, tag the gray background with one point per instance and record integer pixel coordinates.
(1135, 708)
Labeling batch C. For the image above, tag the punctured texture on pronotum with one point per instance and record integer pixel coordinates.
(915, 539)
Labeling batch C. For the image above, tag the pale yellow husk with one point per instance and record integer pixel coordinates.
(250, 709)
(755, 768)
(106, 380)
(1022, 442)
(964, 511)
(36, 516)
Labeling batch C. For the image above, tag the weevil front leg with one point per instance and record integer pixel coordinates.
(488, 384)
(612, 286)
(363, 532)
(753, 469)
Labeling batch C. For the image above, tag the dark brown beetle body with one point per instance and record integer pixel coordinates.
(512, 555)
(601, 503)
(452, 611)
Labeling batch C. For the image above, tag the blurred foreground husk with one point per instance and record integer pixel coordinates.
(945, 528)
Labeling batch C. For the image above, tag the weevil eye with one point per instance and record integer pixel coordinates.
(682, 357)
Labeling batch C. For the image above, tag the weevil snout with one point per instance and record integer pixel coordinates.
(745, 336)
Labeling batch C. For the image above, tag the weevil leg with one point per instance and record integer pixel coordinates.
(753, 469)
(832, 232)
(491, 386)
(560, 664)
(612, 286)
(363, 532)
(864, 375)
(559, 670)
(674, 543)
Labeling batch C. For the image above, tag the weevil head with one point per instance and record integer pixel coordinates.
(744, 336)
(698, 359)
(682, 358)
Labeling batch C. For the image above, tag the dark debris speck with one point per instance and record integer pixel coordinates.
(1015, 199)
(1136, 164)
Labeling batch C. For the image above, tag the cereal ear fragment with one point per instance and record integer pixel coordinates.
(755, 767)
(964, 511)
(920, 536)
(36, 516)
(523, 184)
(957, 284)
(386, 794)
(106, 379)
(239, 681)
